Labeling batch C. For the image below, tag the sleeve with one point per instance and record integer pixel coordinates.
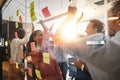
(58, 70)
(35, 57)
(59, 73)
(96, 55)
(22, 41)
(11, 49)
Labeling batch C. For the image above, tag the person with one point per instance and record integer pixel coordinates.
(16, 59)
(58, 52)
(61, 58)
(16, 46)
(94, 26)
(104, 56)
(47, 67)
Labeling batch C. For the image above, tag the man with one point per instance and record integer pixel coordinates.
(94, 26)
(16, 59)
(104, 57)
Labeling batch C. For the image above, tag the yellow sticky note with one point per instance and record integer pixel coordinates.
(17, 12)
(46, 58)
(32, 15)
(16, 25)
(32, 12)
(32, 5)
(16, 65)
(33, 18)
(38, 74)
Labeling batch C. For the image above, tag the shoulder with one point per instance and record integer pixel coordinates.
(94, 37)
(115, 39)
(117, 34)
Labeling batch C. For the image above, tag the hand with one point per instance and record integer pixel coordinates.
(30, 72)
(29, 59)
(78, 63)
(41, 21)
(10, 60)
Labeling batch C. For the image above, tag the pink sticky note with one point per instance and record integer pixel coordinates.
(32, 46)
(46, 12)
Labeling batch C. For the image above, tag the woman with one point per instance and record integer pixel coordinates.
(42, 58)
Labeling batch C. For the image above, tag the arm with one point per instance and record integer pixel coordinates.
(58, 70)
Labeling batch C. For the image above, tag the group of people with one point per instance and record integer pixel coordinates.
(102, 56)
(99, 60)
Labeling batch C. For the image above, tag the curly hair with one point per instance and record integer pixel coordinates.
(21, 33)
(97, 24)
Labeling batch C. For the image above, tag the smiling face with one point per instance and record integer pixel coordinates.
(38, 37)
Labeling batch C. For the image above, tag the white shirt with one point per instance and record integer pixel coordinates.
(60, 54)
(16, 47)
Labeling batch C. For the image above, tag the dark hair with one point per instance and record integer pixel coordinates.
(31, 39)
(21, 33)
(116, 7)
(97, 24)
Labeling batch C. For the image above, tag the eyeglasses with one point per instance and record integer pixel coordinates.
(113, 18)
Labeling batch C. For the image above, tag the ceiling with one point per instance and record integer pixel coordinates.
(94, 8)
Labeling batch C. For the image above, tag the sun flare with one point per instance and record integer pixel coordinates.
(69, 32)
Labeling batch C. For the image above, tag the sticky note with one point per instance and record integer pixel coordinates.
(46, 12)
(32, 5)
(16, 25)
(20, 19)
(46, 58)
(38, 74)
(17, 12)
(16, 65)
(32, 46)
(32, 12)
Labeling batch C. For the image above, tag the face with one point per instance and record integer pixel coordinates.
(38, 37)
(90, 30)
(113, 23)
